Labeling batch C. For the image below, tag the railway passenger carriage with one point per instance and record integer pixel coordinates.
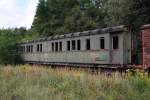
(100, 46)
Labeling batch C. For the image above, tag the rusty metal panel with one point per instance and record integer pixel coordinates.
(146, 45)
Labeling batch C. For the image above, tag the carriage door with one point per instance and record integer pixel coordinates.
(115, 49)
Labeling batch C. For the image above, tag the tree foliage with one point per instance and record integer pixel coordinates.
(8, 47)
(140, 12)
(130, 12)
(117, 12)
(63, 16)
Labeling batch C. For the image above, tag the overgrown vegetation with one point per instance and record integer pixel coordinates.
(38, 83)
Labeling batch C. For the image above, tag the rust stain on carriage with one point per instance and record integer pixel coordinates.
(146, 45)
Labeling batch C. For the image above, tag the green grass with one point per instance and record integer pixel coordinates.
(38, 83)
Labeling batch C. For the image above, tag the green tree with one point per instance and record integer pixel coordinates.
(130, 12)
(63, 16)
(140, 12)
(8, 47)
(41, 17)
(117, 12)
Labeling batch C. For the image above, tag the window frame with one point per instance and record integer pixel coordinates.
(78, 44)
(100, 41)
(41, 47)
(68, 45)
(52, 46)
(114, 47)
(37, 47)
(73, 44)
(56, 47)
(88, 44)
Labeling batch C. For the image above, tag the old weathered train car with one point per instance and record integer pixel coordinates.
(105, 46)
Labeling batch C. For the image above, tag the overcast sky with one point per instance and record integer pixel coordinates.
(17, 13)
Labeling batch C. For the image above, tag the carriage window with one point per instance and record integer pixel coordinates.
(78, 44)
(56, 46)
(102, 43)
(41, 48)
(52, 47)
(68, 45)
(27, 48)
(60, 46)
(115, 42)
(88, 46)
(31, 48)
(38, 48)
(73, 45)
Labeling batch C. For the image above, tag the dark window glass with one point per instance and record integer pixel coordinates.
(88, 45)
(78, 44)
(56, 46)
(102, 43)
(115, 42)
(73, 45)
(38, 48)
(68, 45)
(29, 48)
(60, 46)
(52, 47)
(41, 48)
